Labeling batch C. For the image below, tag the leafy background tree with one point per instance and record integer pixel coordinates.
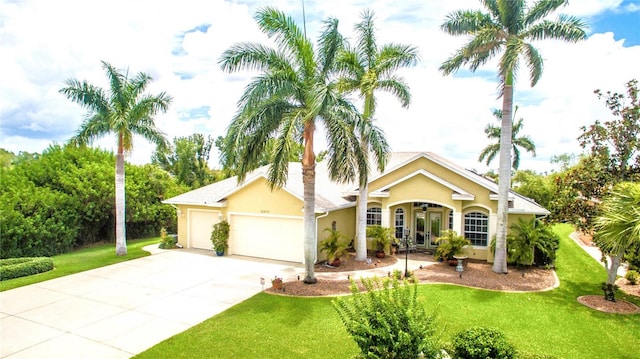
(493, 133)
(63, 199)
(613, 156)
(265, 158)
(368, 68)
(293, 94)
(187, 159)
(507, 27)
(125, 110)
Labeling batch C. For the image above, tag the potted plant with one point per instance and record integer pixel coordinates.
(335, 245)
(451, 244)
(220, 237)
(276, 282)
(381, 237)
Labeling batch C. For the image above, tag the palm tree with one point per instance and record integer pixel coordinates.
(618, 226)
(508, 27)
(493, 132)
(124, 110)
(367, 68)
(285, 102)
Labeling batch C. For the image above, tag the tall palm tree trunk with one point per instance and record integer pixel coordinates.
(612, 269)
(309, 185)
(504, 179)
(121, 238)
(361, 245)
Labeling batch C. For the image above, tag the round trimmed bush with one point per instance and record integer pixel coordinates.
(632, 276)
(482, 343)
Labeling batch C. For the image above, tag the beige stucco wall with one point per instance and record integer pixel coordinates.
(257, 197)
(481, 193)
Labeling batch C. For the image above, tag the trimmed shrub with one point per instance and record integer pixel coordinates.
(632, 276)
(21, 267)
(482, 343)
(388, 321)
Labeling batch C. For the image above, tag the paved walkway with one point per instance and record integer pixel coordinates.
(595, 252)
(123, 309)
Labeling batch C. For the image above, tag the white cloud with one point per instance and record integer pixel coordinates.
(44, 43)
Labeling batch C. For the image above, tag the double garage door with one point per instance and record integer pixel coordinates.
(280, 238)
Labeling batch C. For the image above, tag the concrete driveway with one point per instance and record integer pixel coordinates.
(123, 309)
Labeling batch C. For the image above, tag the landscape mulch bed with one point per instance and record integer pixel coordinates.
(477, 274)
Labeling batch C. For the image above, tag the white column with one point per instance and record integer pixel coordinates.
(457, 222)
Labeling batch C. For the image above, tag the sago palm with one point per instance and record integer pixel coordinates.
(493, 133)
(293, 94)
(124, 110)
(507, 28)
(365, 69)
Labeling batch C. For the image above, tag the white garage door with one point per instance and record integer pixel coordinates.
(267, 237)
(200, 225)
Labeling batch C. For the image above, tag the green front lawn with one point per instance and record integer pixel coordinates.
(267, 326)
(83, 259)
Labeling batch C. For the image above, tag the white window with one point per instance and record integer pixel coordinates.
(476, 228)
(399, 223)
(374, 216)
(451, 219)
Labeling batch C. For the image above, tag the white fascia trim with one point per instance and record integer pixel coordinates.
(221, 204)
(463, 197)
(495, 197)
(527, 211)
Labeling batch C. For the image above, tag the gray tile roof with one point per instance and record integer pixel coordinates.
(331, 195)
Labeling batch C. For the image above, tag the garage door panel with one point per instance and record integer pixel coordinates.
(201, 224)
(270, 237)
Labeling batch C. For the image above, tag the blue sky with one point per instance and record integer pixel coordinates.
(179, 44)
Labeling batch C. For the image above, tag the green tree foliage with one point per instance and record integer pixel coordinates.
(506, 28)
(532, 242)
(6, 158)
(187, 160)
(613, 156)
(147, 186)
(228, 166)
(64, 198)
(493, 133)
(538, 187)
(388, 321)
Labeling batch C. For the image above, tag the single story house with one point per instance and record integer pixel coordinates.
(419, 194)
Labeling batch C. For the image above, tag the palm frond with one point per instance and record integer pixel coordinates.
(395, 56)
(289, 38)
(512, 15)
(252, 57)
(366, 47)
(86, 95)
(398, 88)
(465, 22)
(566, 28)
(542, 9)
(330, 44)
(489, 153)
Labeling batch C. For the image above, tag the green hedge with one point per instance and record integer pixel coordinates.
(22, 267)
